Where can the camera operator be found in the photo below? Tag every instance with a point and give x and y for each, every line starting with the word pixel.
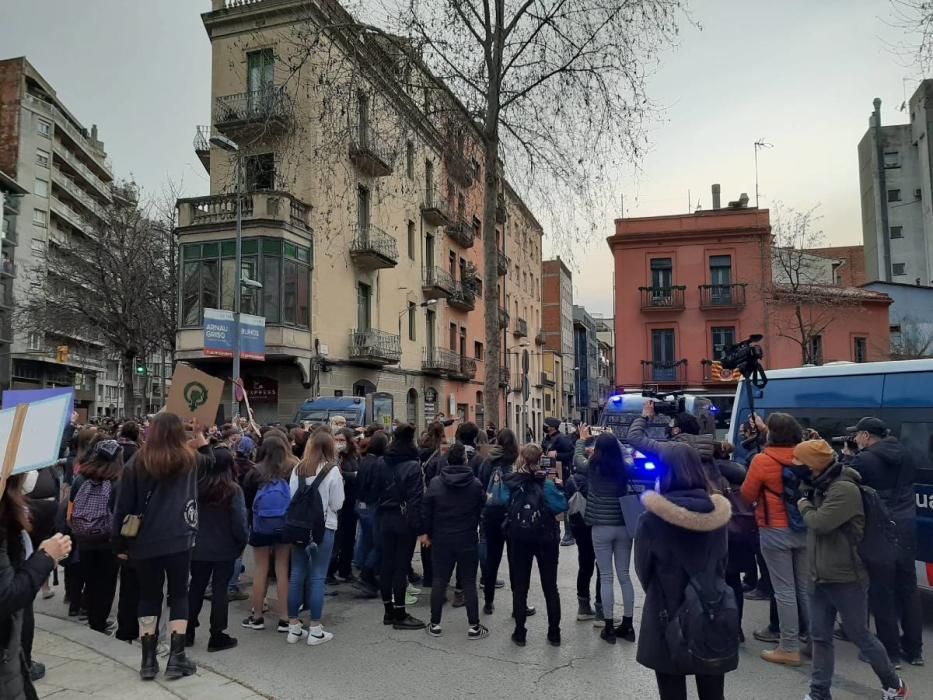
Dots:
pixel 888 467
pixel 684 428
pixel 557 446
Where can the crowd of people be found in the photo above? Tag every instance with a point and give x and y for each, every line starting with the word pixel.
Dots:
pixel 140 510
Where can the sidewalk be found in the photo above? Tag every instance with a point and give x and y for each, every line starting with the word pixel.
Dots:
pixel 85 664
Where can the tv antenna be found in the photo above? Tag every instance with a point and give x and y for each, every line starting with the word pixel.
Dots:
pixel 759 144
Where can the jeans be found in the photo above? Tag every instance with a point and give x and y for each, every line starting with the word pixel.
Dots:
pixel 849 600
pixel 398 545
pixel 344 541
pixel 100 579
pixel 306 581
pixel 234 583
pixel 466 559
pixel 671 687
pixel 364 557
pixel 894 601
pixel 495 546
pixel 152 575
pixel 786 554
pixel 613 543
pixel 586 562
pixel 218 573
pixel 521 556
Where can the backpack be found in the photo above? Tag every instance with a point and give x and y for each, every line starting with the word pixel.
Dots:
pixel 494 487
pixel 879 540
pixel 527 515
pixel 703 634
pixel 743 528
pixel 91 518
pixel 305 520
pixel 269 507
pixel 790 494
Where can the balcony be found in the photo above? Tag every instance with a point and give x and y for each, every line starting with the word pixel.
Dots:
pixel 369 154
pixel 202 146
pixel 539 338
pixel 662 298
pixel 70 216
pixel 435 209
pixel 436 283
pixel 439 361
pixel 521 328
pixel 466 369
pixel 257 207
pixel 458 167
pixel 67 183
pixel 8 232
pixel 6 296
pixel 664 373
pixel 91 148
pixel 71 162
pixel 713 373
pixel 503 318
pixel 266 110
pixel 373 248
pixel 461 233
pixel 502 264
pixel 374 347
pixel 547 379
pixel 463 297
pixel 722 296
pixel 515 385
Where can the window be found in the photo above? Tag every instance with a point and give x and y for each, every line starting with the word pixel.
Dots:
pixel 362 207
pixel 362 114
pixel 412 319
pixel 363 306
pixel 453 336
pixel 896 231
pixel 410 160
pixel 260 71
pixel 41 187
pixel 894 195
pixel 723 337
pixel 35 341
pixel 44 128
pixel 477 228
pixel 662 273
pixel 412 244
pixel 662 354
pixel 860 350
pixel 892 159
pixel 898 269
pixel 40 217
pixel 452 263
pixel 478 350
pixel 37 246
pixel 815 350
pixel 260 172
pixel 42 158
pixel 720 274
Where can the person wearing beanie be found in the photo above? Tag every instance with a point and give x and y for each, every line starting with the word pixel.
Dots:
pixel 835 519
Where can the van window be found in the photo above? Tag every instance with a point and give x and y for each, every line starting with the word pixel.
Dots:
pixel 918 437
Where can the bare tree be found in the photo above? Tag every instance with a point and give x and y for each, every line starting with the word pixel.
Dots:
pixel 801 297
pixel 116 286
pixel 912 340
pixel 913 19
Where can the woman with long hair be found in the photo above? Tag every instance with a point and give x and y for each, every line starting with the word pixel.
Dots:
pixel 500 464
pixel 349 460
pixel 20 579
pixel 222 535
pixel 90 513
pixel 682 534
pixel 159 490
pixel 310 562
pixel 267 479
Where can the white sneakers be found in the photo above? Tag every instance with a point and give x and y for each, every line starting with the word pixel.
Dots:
pixel 295 633
pixel 315 635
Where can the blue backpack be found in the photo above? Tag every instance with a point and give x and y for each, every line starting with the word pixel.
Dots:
pixel 270 507
pixel 790 494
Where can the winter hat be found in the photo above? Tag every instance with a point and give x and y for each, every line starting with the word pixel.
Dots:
pixel 816 454
pixel 245 446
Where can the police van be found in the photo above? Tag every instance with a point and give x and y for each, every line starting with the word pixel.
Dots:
pixel 832 397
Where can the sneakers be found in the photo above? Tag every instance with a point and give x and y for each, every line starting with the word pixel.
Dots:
pixel 584 610
pixel 435 630
pixel 914 660
pixel 477 632
pixel 459 599
pixel 894 693
pixel 412 590
pixel 568 541
pixel 895 662
pixel 220 642
pixel 766 635
pixel 318 635
pixel 295 633
pixel 282 626
pixel 756 594
pixel 410 598
pixel 254 623
pixel 782 656
pixel 500 583
pixel 489 609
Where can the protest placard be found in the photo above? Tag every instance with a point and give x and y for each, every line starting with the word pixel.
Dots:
pixel 194 394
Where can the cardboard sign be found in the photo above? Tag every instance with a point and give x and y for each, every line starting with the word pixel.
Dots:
pixel 24 431
pixel 14 397
pixel 194 394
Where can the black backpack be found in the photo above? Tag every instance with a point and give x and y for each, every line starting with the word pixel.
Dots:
pixel 528 516
pixel 879 540
pixel 703 633
pixel 305 519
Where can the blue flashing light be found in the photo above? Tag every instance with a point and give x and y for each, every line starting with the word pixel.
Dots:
pixel 649 466
pixel 714 409
pixel 616 399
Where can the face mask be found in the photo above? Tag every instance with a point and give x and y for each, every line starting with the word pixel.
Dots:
pixel 341 447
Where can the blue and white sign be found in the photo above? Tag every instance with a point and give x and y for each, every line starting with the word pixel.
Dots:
pixel 219 334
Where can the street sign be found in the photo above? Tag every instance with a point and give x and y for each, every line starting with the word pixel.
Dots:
pixel 219 334
pixel 525 363
pixel 526 392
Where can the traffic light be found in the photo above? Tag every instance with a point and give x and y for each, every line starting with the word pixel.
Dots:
pixel 141 369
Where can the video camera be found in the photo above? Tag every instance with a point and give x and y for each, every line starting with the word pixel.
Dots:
pixel 744 356
pixel 668 403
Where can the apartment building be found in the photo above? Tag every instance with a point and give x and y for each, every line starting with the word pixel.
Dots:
pixel 11 195
pixel 364 231
pixel 64 168
pixel 557 323
pixel 586 365
pixel 688 286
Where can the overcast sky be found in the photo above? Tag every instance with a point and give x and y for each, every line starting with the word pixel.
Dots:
pixel 801 74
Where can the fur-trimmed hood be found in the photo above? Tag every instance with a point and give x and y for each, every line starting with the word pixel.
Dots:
pixel 671 511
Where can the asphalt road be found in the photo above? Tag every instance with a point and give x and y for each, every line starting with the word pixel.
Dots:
pixel 367 660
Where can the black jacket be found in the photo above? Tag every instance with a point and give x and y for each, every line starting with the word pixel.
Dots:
pixel 222 530
pixel 890 468
pixel 563 445
pixel 603 492
pixel 452 506
pixel 366 478
pixel 170 521
pixel 20 580
pixel 680 530
pixel 399 484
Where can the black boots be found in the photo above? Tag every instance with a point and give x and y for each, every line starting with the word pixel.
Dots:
pixel 553 636
pixel 608 633
pixel 404 621
pixel 584 611
pixel 519 636
pixel 626 630
pixel 178 664
pixel 389 617
pixel 149 668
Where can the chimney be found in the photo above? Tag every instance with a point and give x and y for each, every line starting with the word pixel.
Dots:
pixel 876 115
pixel 93 132
pixel 716 196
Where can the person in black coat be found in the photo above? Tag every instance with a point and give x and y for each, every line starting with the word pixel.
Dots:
pixel 20 579
pixel 683 530
pixel 450 517
pixel 492 521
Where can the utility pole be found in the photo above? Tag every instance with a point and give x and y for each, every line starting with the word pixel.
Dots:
pixel 759 144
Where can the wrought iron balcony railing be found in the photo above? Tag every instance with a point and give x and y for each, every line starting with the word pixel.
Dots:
pixel 722 296
pixel 373 249
pixel 663 372
pixel 437 283
pixel 370 154
pixel 371 346
pixel 662 298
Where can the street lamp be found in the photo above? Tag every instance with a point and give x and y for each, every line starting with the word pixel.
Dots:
pixel 223 143
pixel 423 305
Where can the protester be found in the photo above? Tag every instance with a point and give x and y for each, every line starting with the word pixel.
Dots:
pixel 160 489
pixel 348 459
pixel 577 486
pixel 450 516
pixel 835 518
pixel 222 535
pixel 681 536
pixel 366 556
pixel 432 452
pixel 533 502
pixel 558 447
pixel 129 439
pixel 684 428
pixel 887 466
pixel 492 521
pixel 318 468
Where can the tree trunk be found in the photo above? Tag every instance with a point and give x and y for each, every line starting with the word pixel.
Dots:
pixel 491 282
pixel 129 402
